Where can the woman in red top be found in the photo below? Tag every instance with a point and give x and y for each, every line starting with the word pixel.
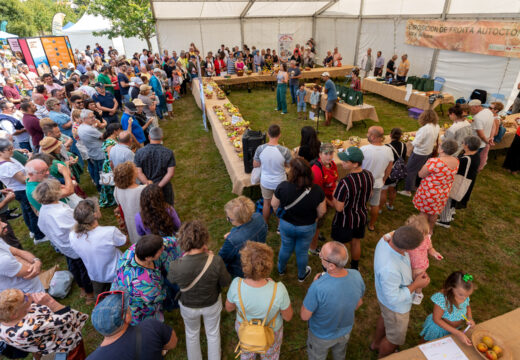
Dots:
pixel 325 174
pixel 219 64
pixel 356 83
pixel 113 78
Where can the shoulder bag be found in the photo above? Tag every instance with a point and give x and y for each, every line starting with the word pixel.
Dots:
pixel 280 212
pixel 196 280
pixel 461 184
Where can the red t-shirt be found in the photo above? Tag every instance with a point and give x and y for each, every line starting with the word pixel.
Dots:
pixel 12 93
pixel 327 179
pixel 169 97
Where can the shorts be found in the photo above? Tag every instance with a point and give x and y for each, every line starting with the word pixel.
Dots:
pixel 266 193
pixel 345 235
pixel 169 107
pixel 386 186
pixel 396 325
pixel 302 107
pixel 330 105
pixel 375 197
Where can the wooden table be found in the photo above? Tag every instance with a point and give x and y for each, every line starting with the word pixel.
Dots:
pixel 313 73
pixel 418 99
pixel 506 327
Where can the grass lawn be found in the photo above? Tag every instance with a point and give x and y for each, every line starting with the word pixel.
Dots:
pixel 482 241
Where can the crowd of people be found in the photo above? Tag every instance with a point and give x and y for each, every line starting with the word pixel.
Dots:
pixel 105 111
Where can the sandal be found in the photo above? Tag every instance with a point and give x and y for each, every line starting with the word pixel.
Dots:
pixel 371 229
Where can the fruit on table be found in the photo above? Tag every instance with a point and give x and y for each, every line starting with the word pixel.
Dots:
pixel 491 355
pixel 498 350
pixel 488 341
pixel 411 138
pixel 482 347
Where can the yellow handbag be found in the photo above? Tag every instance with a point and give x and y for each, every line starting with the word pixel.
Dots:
pixel 255 335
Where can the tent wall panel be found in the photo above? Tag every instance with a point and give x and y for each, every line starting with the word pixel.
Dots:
pixel 485 7
pixel 336 32
pixel 420 57
pixel 217 32
pixel 379 36
pixel 263 33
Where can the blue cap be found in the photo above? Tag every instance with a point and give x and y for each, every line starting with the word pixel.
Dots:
pixel 109 315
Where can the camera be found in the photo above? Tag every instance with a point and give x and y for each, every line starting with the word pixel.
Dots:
pixel 433 97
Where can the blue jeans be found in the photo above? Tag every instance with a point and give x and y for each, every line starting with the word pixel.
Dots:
pixel 297 239
pixel 125 98
pixel 281 101
pixel 29 217
pixel 94 168
pixel 294 88
pixel 302 107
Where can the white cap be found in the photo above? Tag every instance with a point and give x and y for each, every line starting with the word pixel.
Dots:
pixel 54 67
pixel 475 102
pixel 70 66
pixel 325 74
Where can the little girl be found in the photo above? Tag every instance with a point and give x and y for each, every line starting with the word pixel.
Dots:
pixel 169 99
pixel 419 256
pixel 76 122
pixel 451 309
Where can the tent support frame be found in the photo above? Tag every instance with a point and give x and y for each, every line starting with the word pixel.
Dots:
pixel 318 13
pixel 435 57
pixel 242 16
pixel 358 36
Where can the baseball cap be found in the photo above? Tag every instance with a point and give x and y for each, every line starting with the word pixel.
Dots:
pixel 109 314
pixel 99 85
pixel 326 148
pixel 353 154
pixel 326 73
pixel 130 106
pixel 137 80
pixel 145 87
pixel 475 102
pixel 70 66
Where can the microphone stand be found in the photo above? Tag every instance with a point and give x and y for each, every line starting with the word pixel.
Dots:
pixel 318 115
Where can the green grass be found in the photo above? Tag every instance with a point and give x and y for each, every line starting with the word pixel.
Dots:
pixel 482 241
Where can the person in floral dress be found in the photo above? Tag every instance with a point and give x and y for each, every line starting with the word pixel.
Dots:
pixel 437 176
pixel 142 270
pixel 106 195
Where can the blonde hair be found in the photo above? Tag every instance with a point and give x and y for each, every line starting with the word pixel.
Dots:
pixel 76 115
pixel 257 260
pixel 10 301
pixel 420 222
pixel 240 208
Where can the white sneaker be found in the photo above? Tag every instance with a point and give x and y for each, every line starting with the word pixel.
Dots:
pixel 417 298
pixel 308 271
pixel 405 193
pixel 31 235
pixel 42 240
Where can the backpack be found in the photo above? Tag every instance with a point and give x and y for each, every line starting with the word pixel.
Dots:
pixel 399 171
pixel 318 164
pixel 255 335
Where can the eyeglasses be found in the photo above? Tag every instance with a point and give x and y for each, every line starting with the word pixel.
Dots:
pixel 327 260
pixel 114 292
pixel 229 219
pixel 491 108
pixel 25 298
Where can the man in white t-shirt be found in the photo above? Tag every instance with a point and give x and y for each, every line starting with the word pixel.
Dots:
pixel 272 158
pixel 378 159
pixel 483 124
pixel 18 274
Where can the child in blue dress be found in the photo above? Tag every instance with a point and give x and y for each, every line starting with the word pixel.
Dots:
pixel 302 106
pixel 451 309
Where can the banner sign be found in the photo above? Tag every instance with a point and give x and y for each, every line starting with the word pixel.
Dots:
pixel 57 24
pixel 27 55
pixel 285 44
pixel 39 57
pixel 496 38
pixel 57 51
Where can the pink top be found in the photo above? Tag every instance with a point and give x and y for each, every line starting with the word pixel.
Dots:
pixel 239 65
pixel 419 255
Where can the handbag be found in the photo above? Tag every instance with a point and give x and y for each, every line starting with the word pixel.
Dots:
pixel 280 212
pixel 255 175
pixel 196 280
pixel 461 184
pixel 106 179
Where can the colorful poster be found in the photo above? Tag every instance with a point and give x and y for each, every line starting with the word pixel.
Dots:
pixel 16 49
pixel 69 49
pixel 57 51
pixel 39 57
pixel 285 42
pixel 496 38
pixel 27 55
pixel 57 24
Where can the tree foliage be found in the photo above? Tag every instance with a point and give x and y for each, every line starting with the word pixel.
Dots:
pixel 130 18
pixel 18 18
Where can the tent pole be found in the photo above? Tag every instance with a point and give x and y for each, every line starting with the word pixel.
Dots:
pixel 318 13
pixel 242 16
pixel 435 57
pixel 358 38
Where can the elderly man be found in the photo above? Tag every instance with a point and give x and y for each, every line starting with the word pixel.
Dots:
pixel 331 303
pixel 403 68
pixel 60 95
pixel 367 64
pixel 483 127
pixel 19 269
pixel 91 138
pixel 49 83
pixel 31 123
pixel 120 152
pixel 13 126
pixel 106 102
pixel 378 159
pixel 29 79
pixel 39 102
pixel 157 88
pixel 395 288
pixel 294 79
pixel 156 164
pixel 380 64
pixel 37 171
pixel 11 93
pixel 57 76
pixel 390 67
pixel 332 96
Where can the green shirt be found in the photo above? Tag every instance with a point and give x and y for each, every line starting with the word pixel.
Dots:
pixel 102 78
pixel 30 186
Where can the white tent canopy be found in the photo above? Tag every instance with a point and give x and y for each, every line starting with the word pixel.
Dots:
pixel 351 25
pixel 5 35
pixel 81 34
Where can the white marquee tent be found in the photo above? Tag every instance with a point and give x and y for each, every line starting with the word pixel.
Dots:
pixel 81 34
pixel 351 25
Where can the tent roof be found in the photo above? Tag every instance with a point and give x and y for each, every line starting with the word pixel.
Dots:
pixel 5 35
pixel 87 24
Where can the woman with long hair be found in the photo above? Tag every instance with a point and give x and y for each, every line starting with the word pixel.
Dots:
pixel 309 144
pixel 112 74
pixel 156 215
pixel 106 195
pixel 282 79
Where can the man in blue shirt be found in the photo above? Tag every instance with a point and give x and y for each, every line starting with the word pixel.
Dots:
pixel 124 83
pixel 332 96
pixel 127 121
pixel 330 304
pixel 395 287
pixel 106 102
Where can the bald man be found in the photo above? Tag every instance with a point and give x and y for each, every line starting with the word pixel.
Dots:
pixel 121 152
pixel 41 109
pixel 378 159
pixel 330 304
pixel 37 170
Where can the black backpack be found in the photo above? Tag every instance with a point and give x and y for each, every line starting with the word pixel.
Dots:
pixel 479 95
pixel 399 171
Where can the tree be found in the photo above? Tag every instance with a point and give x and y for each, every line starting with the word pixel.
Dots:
pixel 130 18
pixel 18 18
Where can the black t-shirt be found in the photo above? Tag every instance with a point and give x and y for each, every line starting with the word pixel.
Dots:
pixel 154 160
pixel 390 65
pixel 154 336
pixel 168 70
pixel 473 167
pixel 304 212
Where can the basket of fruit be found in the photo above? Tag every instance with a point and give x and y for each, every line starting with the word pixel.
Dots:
pixel 354 140
pixel 307 68
pixel 489 346
pixel 337 143
pixel 249 72
pixel 240 72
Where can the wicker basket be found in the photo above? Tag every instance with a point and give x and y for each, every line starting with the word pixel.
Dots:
pixel 477 336
pixel 240 72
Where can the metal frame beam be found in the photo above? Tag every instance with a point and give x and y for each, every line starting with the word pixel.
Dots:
pixel 435 57
pixel 235 18
pixel 242 15
pixel 156 28
pixel 358 37
pixel 244 1
pixel 318 13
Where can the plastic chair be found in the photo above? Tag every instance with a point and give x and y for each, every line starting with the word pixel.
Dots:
pixel 438 83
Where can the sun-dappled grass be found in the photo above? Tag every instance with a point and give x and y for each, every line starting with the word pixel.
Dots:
pixel 482 241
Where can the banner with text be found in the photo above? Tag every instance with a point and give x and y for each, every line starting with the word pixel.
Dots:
pixel 496 38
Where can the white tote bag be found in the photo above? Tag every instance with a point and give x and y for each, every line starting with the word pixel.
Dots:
pixel 255 175
pixel 461 184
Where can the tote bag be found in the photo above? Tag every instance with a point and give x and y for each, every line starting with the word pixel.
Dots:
pixel 461 184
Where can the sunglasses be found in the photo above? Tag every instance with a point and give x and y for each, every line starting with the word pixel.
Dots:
pixel 114 292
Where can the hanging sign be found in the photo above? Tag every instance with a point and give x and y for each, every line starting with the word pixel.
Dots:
pixel 285 42
pixel 496 38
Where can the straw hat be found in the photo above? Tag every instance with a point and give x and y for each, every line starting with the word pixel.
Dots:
pixel 49 144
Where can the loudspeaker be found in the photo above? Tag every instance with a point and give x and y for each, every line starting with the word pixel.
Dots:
pixel 250 141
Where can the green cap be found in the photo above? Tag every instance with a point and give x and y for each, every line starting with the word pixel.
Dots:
pixel 353 154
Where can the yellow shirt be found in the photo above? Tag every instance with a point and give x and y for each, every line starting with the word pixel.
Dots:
pixel 404 66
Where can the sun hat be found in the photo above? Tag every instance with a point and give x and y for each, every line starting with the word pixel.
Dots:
pixel 139 102
pixel 145 87
pixel 49 144
pixel 475 102
pixel 353 154
pixel 109 314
